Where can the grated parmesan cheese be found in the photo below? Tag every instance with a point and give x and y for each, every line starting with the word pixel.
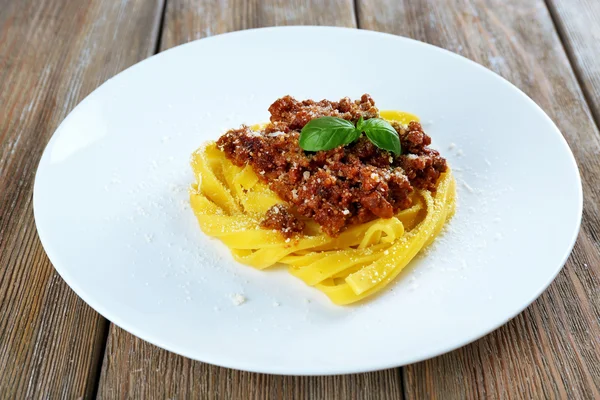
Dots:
pixel 468 187
pixel 238 299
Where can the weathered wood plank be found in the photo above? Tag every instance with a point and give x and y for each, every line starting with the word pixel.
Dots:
pixel 188 20
pixel 52 54
pixel 136 369
pixel 552 349
pixel 578 23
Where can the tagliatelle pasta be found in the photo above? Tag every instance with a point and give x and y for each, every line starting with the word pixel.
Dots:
pixel 343 194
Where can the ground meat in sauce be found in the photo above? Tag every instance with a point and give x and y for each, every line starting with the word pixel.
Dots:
pixel 280 218
pixel 339 187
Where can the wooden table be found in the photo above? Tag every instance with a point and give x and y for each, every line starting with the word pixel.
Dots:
pixel 55 52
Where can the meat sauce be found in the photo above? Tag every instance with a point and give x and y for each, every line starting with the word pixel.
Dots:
pixel 337 188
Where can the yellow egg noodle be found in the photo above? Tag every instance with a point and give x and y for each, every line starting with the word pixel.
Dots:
pixel 230 201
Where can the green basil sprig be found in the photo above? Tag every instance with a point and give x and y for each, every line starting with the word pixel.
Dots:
pixel 326 133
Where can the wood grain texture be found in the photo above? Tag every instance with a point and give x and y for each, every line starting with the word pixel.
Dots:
pixel 188 20
pixel 552 350
pixel 136 369
pixel 52 54
pixel 578 23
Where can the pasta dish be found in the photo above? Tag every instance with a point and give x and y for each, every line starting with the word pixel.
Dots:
pixel 341 193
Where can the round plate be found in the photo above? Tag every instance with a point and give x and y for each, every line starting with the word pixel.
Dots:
pixel 111 203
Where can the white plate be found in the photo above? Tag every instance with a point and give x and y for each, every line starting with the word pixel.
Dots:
pixel 111 203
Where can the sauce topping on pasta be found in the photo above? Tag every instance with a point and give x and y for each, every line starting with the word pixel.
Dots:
pixel 337 188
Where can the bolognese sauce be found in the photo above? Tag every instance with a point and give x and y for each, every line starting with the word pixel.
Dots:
pixel 340 187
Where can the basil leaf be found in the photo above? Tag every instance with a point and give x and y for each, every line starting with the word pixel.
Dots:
pixel 326 133
pixel 382 134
